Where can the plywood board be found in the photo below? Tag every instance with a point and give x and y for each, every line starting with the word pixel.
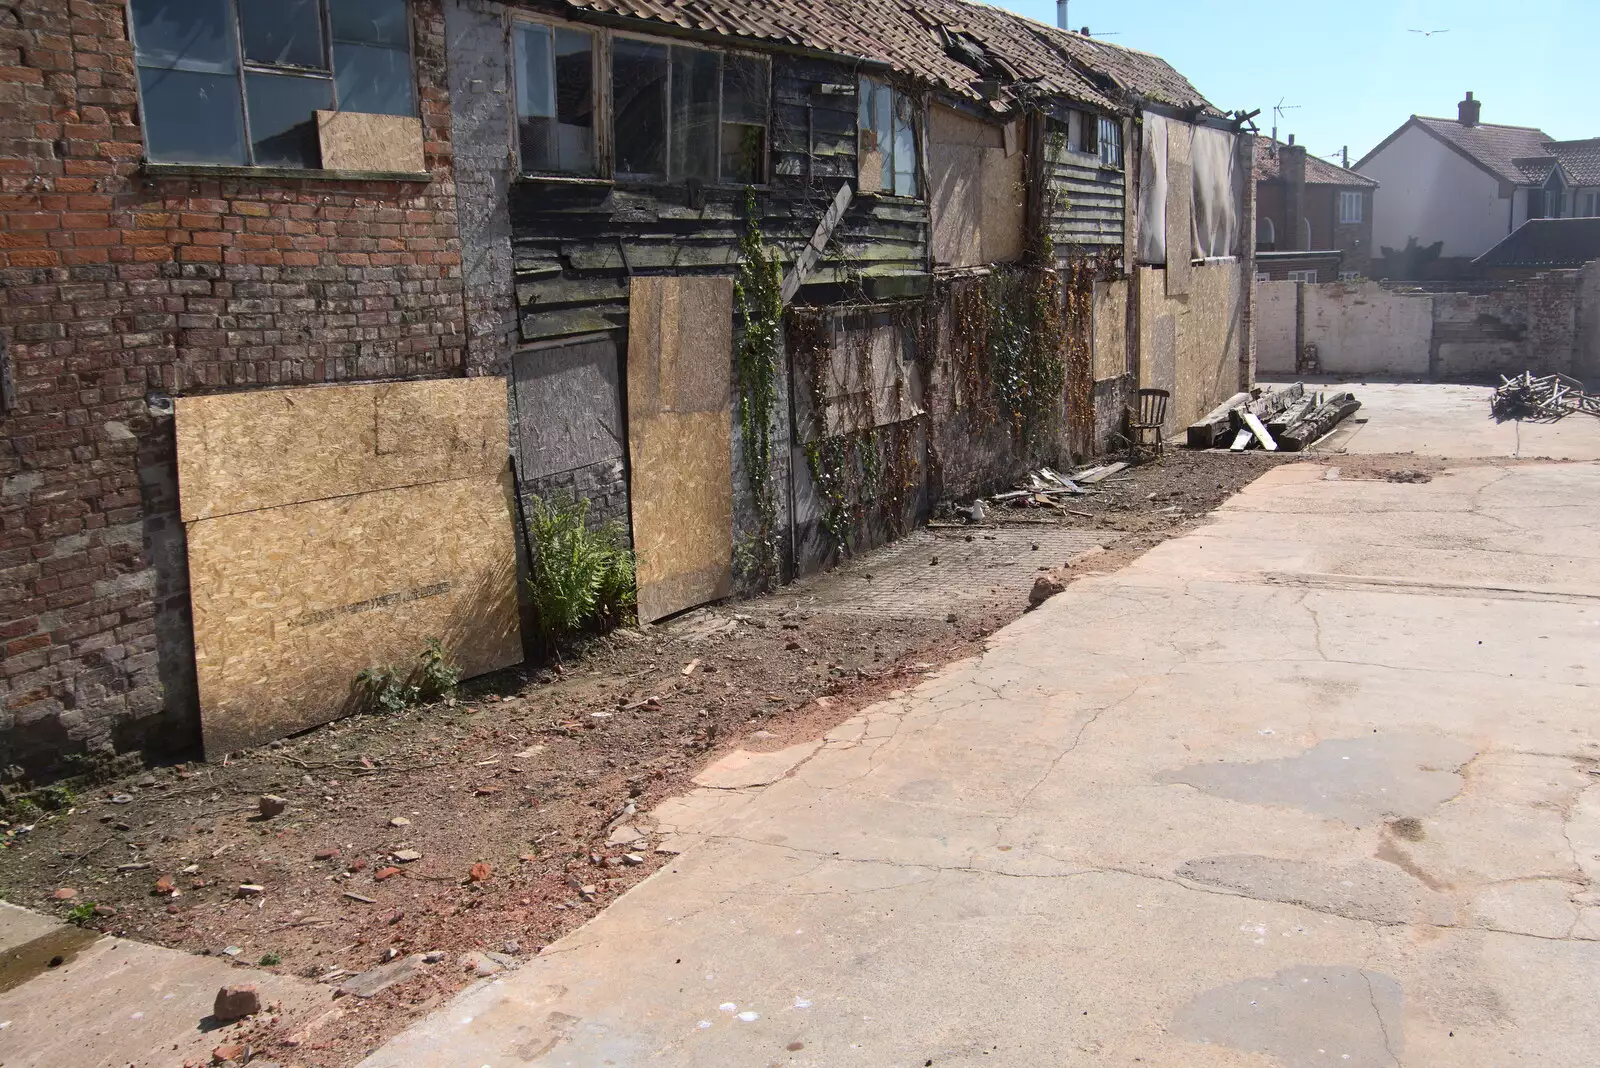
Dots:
pixel 291 603
pixel 1110 329
pixel 680 427
pixel 569 407
pixel 355 141
pixel 238 452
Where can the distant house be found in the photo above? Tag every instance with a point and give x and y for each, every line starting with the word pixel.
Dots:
pixel 1463 185
pixel 1540 245
pixel 1307 209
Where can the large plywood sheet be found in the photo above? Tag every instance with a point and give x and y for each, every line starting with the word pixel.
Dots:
pixel 291 603
pixel 1110 329
pixel 680 359
pixel 238 452
pixel 976 200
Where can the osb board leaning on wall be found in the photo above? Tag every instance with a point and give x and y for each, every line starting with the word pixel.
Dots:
pixel 680 430
pixel 335 528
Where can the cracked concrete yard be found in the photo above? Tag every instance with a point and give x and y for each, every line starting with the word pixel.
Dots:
pixel 1315 784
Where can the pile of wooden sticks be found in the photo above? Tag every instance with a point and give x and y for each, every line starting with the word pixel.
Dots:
pixel 1540 400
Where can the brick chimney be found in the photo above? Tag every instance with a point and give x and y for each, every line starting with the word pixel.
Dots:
pixel 1292 165
pixel 1469 110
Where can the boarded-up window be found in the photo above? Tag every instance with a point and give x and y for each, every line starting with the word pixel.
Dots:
pixel 975 190
pixel 1153 192
pixel 1215 179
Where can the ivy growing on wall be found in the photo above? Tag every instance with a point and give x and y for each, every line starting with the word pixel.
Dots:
pixel 864 471
pixel 757 295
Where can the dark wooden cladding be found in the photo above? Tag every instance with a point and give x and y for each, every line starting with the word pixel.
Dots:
pixel 1088 202
pixel 575 244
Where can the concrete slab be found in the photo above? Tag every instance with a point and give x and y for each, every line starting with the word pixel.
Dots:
pixel 110 1003
pixel 1312 785
pixel 1441 419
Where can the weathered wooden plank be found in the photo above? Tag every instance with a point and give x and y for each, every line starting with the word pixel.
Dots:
pixel 819 242
pixel 566 322
pixel 1205 432
pixel 571 291
pixel 1308 430
pixel 1259 429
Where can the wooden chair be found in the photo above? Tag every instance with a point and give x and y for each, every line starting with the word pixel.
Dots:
pixel 1144 424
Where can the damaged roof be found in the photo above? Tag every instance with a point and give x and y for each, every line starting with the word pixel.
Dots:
pixel 1268 167
pixel 1136 73
pixel 1548 243
pixel 954 45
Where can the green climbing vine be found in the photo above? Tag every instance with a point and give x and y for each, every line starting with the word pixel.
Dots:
pixel 867 471
pixel 757 294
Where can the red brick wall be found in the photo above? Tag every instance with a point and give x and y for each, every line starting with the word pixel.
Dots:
pixel 115 285
pixel 1327 232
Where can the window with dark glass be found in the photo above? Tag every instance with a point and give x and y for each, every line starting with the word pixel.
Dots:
pixel 688 113
pixel 886 124
pixel 555 99
pixel 239 82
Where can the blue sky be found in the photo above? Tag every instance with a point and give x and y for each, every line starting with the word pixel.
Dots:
pixel 1355 71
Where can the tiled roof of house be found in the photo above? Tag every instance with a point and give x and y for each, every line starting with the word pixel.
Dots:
pixel 1011 39
pixel 1493 147
pixel 1580 159
pixel 1318 171
pixel 1140 73
pixel 1551 243
pixel 949 44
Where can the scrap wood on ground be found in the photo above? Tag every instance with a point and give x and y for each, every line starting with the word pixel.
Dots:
pixel 1540 400
pixel 1289 420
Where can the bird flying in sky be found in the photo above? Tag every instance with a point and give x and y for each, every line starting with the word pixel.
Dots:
pixel 1427 33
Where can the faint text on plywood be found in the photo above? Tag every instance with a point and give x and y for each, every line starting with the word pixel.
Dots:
pixel 294 597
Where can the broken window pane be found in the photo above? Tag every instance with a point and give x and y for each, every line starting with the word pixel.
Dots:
pixel 282 33
pixel 639 103
pixel 694 114
pixel 555 123
pixel 883 126
pixel 373 79
pixel 283 124
pixel 372 56
pixel 184 34
pixel 191 117
pixel 905 147
pixel 744 118
pixel 375 22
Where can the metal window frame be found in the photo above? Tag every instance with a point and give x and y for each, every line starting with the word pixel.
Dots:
pixel 599 97
pixel 241 68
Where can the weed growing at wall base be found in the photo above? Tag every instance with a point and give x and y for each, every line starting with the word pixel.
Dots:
pixel 581 579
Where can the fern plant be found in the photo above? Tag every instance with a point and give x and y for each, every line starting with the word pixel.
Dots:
pixel 581 578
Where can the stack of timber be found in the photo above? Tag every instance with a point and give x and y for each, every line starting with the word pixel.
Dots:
pixel 1288 419
pixel 1541 400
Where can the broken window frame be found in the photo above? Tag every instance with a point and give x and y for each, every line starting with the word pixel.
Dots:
pixel 671 173
pixel 243 67
pixel 597 70
pixel 899 101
